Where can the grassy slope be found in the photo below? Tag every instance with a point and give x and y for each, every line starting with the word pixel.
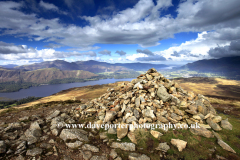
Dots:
pixel 198 147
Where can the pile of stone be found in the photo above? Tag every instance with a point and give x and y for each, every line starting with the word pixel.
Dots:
pixel 151 98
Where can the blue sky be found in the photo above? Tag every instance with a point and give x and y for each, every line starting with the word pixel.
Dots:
pixel 152 31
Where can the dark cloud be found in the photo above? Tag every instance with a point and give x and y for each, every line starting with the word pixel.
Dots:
pixel 227 51
pixel 176 54
pixel 53 45
pixel 145 51
pixel 9 48
pixel 182 52
pixel 105 52
pixel 121 53
pixel 90 53
pixel 152 58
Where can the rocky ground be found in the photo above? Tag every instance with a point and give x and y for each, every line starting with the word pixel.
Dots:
pixel 149 99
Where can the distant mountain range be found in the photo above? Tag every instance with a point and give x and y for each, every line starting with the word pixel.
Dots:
pixel 91 66
pixel 9 66
pixel 224 65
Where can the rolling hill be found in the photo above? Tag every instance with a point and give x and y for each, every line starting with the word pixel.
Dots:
pixel 91 66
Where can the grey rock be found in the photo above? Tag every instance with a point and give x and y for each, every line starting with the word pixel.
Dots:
pixel 99 158
pixel 124 146
pixel 163 147
pixel 34 152
pixel 110 115
pixel 113 154
pixel 225 146
pixel 74 145
pixel 226 125
pixel 3 147
pixel 131 119
pixel 148 113
pixel 136 113
pixel 45 145
pixel 90 148
pixel 163 94
pixel 136 156
pixel 214 125
pixel 122 131
pixel 86 154
pixel 103 135
pixel 21 147
pixel 202 132
pixel 137 102
pixel 112 131
pixel 138 85
pixel 25 118
pixel 33 133
pixel 53 115
pixel 73 134
pixel 20 157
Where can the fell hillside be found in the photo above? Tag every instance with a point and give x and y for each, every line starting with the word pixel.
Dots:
pixel 67 106
pixel 91 66
pixel 42 75
pixel 221 65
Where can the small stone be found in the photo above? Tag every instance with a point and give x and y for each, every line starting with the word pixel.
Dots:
pixel 202 132
pixel 74 145
pixel 225 146
pixel 214 125
pixel 226 125
pixel 163 94
pixel 156 134
pixel 135 156
pixel 217 119
pixel 110 115
pixel 99 158
pixel 2 147
pixel 72 134
pixel 112 131
pixel 124 146
pixel 90 148
pixel 53 115
pixel 103 135
pixel 163 147
pixel 132 137
pixel 122 130
pixel 148 113
pixel 180 144
pixel 86 154
pixel 113 154
pixel 217 135
pixel 34 152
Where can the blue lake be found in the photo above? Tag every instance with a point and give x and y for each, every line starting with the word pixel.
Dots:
pixel 47 90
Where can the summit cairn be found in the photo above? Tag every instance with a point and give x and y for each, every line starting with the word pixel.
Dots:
pixel 153 99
